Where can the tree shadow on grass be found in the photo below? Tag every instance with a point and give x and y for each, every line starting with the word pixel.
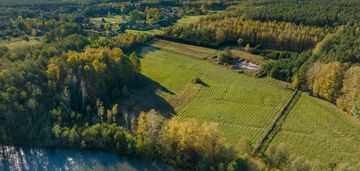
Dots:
pixel 142 51
pixel 148 97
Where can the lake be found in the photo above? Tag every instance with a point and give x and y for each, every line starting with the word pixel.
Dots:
pixel 30 158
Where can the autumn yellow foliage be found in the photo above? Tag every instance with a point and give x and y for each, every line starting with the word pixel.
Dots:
pixel 328 81
pixel 351 89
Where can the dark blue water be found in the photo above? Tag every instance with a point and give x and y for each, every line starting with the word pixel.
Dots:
pixel 26 158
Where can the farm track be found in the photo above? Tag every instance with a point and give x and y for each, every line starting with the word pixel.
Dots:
pixel 275 127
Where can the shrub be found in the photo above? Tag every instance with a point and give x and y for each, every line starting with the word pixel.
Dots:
pixel 197 80
pixel 225 57
pixel 26 38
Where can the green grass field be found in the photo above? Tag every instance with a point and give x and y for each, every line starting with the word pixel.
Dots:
pixel 186 20
pixel 116 18
pixel 20 44
pixel 151 32
pixel 243 106
pixel 318 130
pixel 188 50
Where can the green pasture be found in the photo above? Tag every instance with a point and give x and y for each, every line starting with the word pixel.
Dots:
pixel 242 105
pixel 317 130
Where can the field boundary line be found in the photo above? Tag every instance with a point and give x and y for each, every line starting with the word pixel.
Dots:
pixel 275 126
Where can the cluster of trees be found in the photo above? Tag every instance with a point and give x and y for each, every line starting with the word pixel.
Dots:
pixel 19 20
pixel 63 30
pixel 188 145
pixel 272 54
pixel 125 41
pixel 342 46
pixel 350 92
pixel 151 15
pixel 220 28
pixel 325 80
pixel 149 11
pixel 285 68
pixel 43 85
pixel 225 57
pixel 337 83
pixel 24 96
pixel 103 9
pixel 67 35
pixel 309 12
pixel 18 26
pixel 26 2
pixel 329 71
pixel 80 79
pixel 74 42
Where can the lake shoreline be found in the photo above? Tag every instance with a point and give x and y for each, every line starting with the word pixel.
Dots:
pixel 36 157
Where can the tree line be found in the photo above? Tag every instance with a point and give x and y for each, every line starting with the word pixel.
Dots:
pixel 125 41
pixel 22 20
pixel 308 12
pixel 328 71
pixel 220 28
pixel 188 145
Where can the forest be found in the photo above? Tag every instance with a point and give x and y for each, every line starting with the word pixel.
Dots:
pixel 327 70
pixel 270 35
pixel 311 12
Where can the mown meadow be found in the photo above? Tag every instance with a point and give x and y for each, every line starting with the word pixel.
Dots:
pixel 187 20
pixel 243 106
pixel 316 129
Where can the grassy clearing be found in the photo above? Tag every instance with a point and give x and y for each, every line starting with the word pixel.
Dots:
pixel 248 56
pixel 188 20
pixel 151 32
pixel 20 44
pixel 243 106
pixel 188 50
pixel 318 130
pixel 116 18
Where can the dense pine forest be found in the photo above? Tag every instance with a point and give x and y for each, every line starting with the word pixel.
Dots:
pixel 313 12
pixel 131 78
